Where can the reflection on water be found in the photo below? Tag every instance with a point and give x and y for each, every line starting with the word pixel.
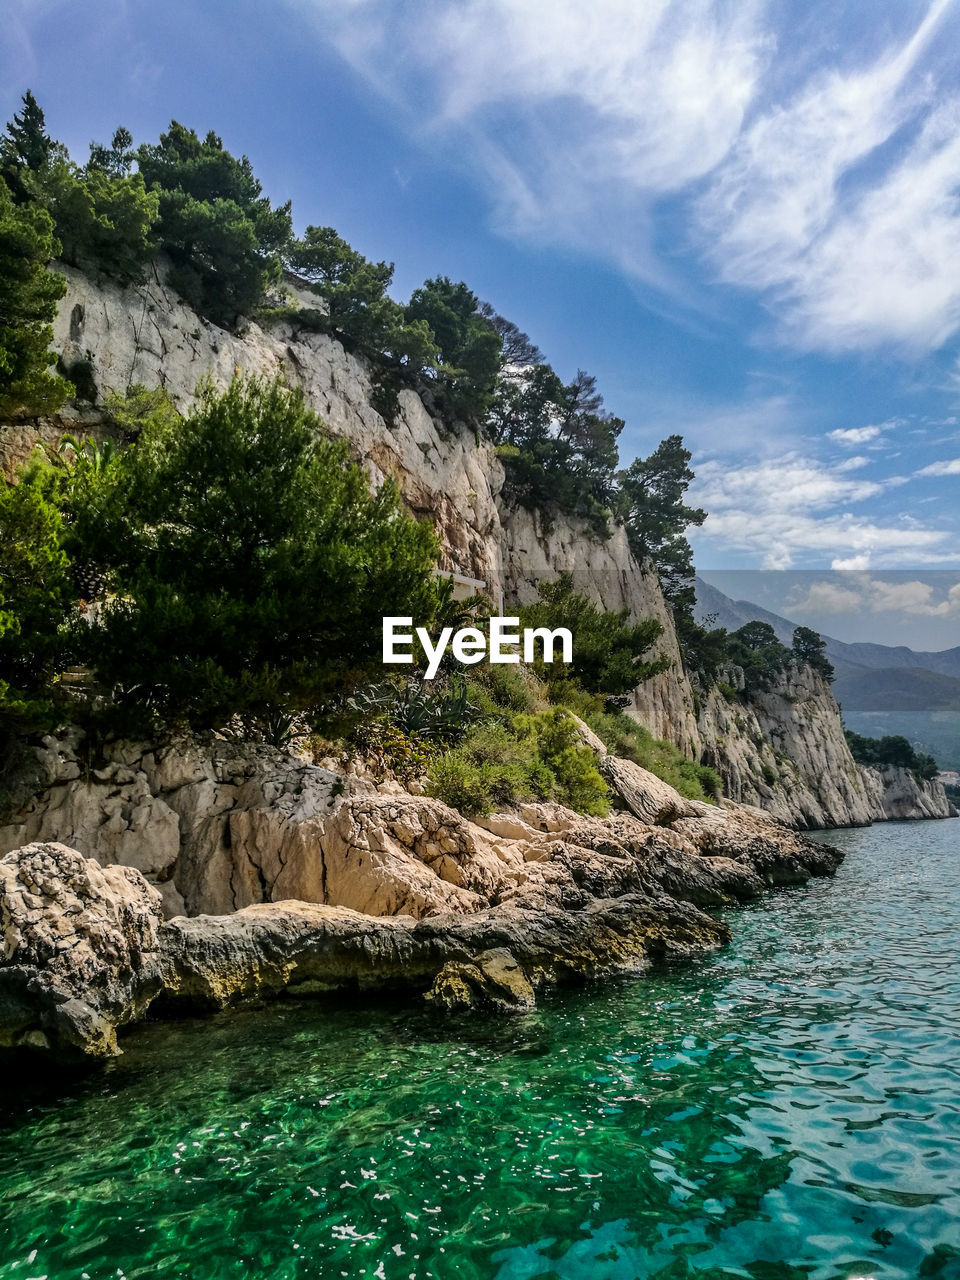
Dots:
pixel 788 1109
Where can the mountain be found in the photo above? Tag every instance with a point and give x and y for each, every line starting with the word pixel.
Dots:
pixel 881 688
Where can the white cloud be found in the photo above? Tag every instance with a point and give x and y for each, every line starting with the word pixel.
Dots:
pixel 853 464
pixel 860 435
pixel 948 467
pixel 825 184
pixel 863 593
pixel 795 506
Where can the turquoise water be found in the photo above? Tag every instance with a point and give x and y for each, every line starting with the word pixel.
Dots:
pixel 790 1108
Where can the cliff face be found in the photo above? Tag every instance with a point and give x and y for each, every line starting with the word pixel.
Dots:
pixel 146 334
pixel 897 795
pixel 785 752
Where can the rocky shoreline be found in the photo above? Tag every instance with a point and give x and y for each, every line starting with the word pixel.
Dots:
pixel 329 883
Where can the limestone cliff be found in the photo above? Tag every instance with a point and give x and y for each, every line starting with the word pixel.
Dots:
pixel 784 752
pixel 148 335
pixel 783 749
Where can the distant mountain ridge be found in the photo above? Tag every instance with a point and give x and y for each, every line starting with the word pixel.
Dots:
pixel 881 688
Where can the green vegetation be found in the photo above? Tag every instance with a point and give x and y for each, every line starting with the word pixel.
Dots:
pixel 607 649
pixel 892 750
pixel 28 303
pixel 624 737
pixel 242 564
pixel 532 757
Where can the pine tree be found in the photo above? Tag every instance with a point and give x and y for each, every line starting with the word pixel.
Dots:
pixel 28 302
pixel 25 148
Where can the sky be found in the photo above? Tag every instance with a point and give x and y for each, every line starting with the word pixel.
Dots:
pixel 743 217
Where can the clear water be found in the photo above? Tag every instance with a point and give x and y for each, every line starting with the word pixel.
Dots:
pixel 790 1108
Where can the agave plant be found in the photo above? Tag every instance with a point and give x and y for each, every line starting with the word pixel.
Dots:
pixel 416 709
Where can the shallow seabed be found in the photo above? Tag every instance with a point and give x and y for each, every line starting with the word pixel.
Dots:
pixel 790 1108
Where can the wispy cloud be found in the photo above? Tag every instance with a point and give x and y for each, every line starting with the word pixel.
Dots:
pixel 791 507
pixel 827 185
pixel 948 467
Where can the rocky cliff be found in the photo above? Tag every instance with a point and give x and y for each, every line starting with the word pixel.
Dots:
pixel 785 752
pixel 783 749
pixel 317 882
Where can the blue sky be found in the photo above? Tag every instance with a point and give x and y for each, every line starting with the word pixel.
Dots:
pixel 743 217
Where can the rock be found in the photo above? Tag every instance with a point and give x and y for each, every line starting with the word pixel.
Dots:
pixel 644 794
pixel 210 962
pixel 897 795
pixel 80 952
pixel 493 982
pixel 587 736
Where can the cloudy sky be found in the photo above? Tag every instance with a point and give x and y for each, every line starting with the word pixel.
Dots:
pixel 742 216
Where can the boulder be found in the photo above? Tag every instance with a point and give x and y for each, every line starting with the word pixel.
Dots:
pixel 80 951
pixel 494 982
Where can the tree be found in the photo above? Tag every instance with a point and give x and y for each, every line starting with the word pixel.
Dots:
pixel 28 303
pixel 224 239
pixel 468 346
pixel 116 160
pixel 591 434
pixel 35 598
pixel 608 649
pixel 516 349
pixel 756 649
pixel 26 148
pixel 809 650
pixel 254 565
pixel 359 309
pixel 525 407
pixel 656 517
pixel 104 221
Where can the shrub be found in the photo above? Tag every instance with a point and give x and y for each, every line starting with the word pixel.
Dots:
pixel 608 649
pixel 534 757
pixel 253 564
pixel 624 737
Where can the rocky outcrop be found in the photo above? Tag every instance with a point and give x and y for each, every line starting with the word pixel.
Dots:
pixel 217 826
pixel 479 914
pixel 898 795
pixel 80 951
pixel 494 981
pixel 783 749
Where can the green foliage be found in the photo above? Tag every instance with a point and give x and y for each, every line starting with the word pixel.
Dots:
pixel 533 757
pixel 226 242
pixel 656 516
pixel 705 649
pixel 467 345
pixel 359 309
pixel 624 737
pixel 255 566
pixel 35 599
pixel 893 750
pixel 607 648
pixel 28 303
pixel 25 149
pixel 756 649
pixel 416 708
pixel 809 650
pixel 558 446
pixel 104 221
